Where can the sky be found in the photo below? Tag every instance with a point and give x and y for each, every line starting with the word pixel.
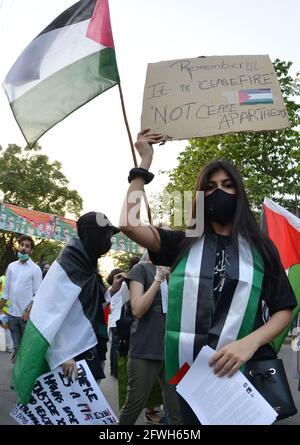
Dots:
pixel 92 143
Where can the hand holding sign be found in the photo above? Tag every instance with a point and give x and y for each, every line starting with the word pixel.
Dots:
pixel 69 369
pixel 144 142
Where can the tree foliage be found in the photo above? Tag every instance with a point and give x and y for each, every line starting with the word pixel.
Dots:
pixel 122 259
pixel 268 161
pixel 46 251
pixel 28 179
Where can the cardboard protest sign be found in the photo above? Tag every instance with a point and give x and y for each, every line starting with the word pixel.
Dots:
pixel 207 96
pixel 57 401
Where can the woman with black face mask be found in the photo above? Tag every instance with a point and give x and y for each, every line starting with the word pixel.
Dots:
pixel 219 280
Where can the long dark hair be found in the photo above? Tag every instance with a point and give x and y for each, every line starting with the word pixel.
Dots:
pixel 244 222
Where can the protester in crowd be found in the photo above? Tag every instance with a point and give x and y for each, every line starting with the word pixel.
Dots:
pixel 152 413
pixel 42 263
pixel 96 241
pixel 220 280
pixel 4 320
pixel 146 347
pixel 120 318
pixel 126 318
pixel 45 269
pixel 68 309
pixel 116 303
pixel 22 280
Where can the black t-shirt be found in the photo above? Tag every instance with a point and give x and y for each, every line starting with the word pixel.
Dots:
pixel 171 246
pixel 220 268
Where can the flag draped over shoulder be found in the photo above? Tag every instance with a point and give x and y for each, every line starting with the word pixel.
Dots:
pixel 68 64
pixel 283 228
pixel 189 323
pixel 66 318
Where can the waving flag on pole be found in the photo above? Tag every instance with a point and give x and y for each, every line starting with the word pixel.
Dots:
pixel 283 228
pixel 68 64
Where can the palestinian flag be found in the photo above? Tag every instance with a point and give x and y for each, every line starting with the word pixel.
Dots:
pixel 189 324
pixel 283 228
pixel 256 96
pixel 66 318
pixel 68 64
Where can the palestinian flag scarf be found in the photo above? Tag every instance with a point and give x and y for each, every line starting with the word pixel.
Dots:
pixel 66 318
pixel 192 321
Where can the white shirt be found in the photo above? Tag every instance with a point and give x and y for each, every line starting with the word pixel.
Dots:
pixel 116 303
pixel 22 281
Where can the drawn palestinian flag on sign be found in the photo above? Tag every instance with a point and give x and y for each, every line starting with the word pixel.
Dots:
pixel 256 96
pixel 283 228
pixel 68 64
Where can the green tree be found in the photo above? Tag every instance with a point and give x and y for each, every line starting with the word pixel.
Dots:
pixel 122 259
pixel 46 251
pixel 28 179
pixel 268 161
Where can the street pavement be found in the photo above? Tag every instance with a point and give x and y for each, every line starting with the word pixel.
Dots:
pixel 286 354
pixel 110 389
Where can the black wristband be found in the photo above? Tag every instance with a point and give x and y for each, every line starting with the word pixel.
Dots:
pixel 142 173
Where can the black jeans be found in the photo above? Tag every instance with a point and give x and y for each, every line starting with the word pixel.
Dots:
pixel 17 327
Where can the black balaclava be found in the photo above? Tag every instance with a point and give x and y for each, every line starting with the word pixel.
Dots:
pixel 95 238
pixel 220 206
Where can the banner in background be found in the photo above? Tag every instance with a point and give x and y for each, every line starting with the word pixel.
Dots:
pixel 33 223
pixel 44 225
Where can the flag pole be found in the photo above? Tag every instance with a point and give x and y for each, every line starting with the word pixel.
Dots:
pixel 127 126
pixel 132 150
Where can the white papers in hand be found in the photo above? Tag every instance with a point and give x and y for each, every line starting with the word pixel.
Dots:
pixel 222 400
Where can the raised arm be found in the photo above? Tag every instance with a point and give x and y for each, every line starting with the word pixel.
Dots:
pixel 130 222
pixel 141 300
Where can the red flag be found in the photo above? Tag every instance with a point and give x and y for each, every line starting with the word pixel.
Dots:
pixel 106 313
pixel 283 228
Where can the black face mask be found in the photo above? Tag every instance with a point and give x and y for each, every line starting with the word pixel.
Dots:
pixel 97 242
pixel 220 206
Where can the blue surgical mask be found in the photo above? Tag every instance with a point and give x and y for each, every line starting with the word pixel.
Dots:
pixel 23 256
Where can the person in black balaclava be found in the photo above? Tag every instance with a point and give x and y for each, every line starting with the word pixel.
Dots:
pixel 95 232
pixel 71 301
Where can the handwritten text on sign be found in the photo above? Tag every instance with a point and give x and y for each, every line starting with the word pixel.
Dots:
pixel 57 401
pixel 213 95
